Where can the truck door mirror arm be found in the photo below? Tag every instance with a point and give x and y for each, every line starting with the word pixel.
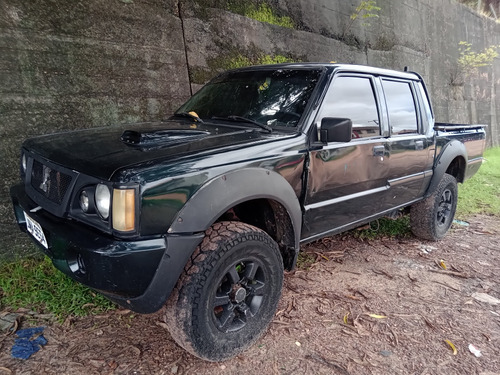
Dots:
pixel 335 129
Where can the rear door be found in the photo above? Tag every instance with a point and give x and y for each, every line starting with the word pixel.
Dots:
pixel 348 181
pixel 411 151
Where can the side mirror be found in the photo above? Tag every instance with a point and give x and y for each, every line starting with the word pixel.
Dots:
pixel 334 129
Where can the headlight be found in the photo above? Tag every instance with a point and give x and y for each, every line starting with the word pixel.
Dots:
pixel 124 210
pixel 103 200
pixel 84 201
pixel 24 163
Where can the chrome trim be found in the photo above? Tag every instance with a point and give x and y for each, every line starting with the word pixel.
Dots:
pixel 402 180
pixel 345 198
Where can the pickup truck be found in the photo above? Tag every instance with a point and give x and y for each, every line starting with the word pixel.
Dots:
pixel 203 212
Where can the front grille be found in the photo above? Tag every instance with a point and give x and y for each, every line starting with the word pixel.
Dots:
pixel 50 183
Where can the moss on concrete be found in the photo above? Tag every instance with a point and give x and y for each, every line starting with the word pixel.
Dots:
pixel 234 58
pixel 384 44
pixel 264 13
pixel 259 10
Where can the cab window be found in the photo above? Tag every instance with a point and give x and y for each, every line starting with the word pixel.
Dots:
pixel 353 98
pixel 400 107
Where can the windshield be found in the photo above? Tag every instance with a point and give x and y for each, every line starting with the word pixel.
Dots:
pixel 275 97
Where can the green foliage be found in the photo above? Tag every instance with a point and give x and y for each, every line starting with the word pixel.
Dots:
pixel 263 13
pixel 385 227
pixel 241 61
pixel 305 260
pixel 470 61
pixel 37 285
pixel 365 10
pixel 235 58
pixel 277 59
pixel 481 194
pixel 238 61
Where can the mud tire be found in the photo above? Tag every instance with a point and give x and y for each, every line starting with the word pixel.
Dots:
pixel 228 292
pixel 431 218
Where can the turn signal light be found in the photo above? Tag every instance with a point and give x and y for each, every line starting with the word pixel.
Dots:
pixel 124 210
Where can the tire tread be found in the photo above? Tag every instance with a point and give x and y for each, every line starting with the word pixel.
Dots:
pixel 422 215
pixel 181 317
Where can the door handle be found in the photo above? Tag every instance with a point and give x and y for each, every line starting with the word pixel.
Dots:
pixel 379 151
pixel 419 145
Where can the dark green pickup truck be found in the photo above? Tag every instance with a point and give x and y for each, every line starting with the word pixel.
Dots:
pixel 205 210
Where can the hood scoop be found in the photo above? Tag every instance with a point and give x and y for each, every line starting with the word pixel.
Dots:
pixel 161 137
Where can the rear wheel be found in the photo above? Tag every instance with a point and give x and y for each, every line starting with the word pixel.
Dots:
pixel 431 218
pixel 228 292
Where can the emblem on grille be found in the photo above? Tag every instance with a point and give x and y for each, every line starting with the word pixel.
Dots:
pixel 45 185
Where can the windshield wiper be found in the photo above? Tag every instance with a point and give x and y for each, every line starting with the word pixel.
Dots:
pixel 189 115
pixel 244 119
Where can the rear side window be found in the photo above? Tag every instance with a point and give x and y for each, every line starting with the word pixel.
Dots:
pixel 401 107
pixel 353 98
pixel 427 116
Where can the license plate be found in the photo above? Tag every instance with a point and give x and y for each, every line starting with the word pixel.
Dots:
pixel 36 230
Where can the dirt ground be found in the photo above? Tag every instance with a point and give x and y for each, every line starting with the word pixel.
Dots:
pixel 323 324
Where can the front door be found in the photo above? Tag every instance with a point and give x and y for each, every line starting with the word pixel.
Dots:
pixel 347 181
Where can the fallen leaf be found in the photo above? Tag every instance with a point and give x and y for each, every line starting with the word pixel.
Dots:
pixel 376 316
pixel 112 365
pixel 442 264
pixel 451 346
pixel 354 298
pixel 483 297
pixel 429 323
pixel 161 324
pixel 346 317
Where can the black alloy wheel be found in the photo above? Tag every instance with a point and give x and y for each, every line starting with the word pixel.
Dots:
pixel 239 295
pixel 431 218
pixel 445 208
pixel 228 293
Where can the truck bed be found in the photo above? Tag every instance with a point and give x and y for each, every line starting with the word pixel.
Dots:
pixel 447 127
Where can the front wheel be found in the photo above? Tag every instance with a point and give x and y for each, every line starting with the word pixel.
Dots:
pixel 228 292
pixel 431 218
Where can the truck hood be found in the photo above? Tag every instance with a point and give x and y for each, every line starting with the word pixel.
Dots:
pixel 100 152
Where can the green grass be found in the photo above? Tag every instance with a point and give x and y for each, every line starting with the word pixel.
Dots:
pixel 384 227
pixel 305 260
pixel 478 195
pixel 481 193
pixel 35 284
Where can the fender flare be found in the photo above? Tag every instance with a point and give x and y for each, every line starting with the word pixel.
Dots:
pixel 449 152
pixel 229 189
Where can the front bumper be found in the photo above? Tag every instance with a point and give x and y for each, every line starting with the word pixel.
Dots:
pixel 137 274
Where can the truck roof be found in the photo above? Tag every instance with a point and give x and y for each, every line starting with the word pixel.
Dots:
pixel 340 67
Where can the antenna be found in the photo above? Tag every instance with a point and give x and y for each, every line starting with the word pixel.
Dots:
pixel 405 69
